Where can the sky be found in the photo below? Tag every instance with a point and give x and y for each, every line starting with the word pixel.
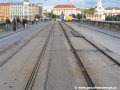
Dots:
pixel 49 4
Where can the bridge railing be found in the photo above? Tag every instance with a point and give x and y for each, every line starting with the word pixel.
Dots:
pixel 3 26
pixel 113 25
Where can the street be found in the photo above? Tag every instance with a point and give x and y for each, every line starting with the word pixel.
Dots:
pixel 57 55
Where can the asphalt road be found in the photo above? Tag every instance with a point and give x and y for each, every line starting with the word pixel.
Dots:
pixel 46 61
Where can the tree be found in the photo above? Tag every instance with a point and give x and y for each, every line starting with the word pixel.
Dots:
pixel 89 11
pixel 37 16
pixel 73 15
pixel 79 16
pixel 118 17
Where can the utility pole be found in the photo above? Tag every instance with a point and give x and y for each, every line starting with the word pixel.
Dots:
pixel 83 12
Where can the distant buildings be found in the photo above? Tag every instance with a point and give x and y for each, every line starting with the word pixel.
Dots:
pixel 37 9
pixel 20 9
pixel 4 11
pixel 112 11
pixel 66 10
pixel 44 11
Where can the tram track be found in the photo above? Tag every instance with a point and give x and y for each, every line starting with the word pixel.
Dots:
pixel 83 69
pixel 32 78
pixel 15 52
pixel 103 52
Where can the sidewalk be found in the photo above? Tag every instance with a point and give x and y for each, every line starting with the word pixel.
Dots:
pixel 10 32
pixel 102 30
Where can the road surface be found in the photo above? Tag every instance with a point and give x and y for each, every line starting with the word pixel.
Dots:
pixel 49 56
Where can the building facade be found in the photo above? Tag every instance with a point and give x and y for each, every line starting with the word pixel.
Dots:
pixel 99 13
pixel 27 10
pixel 4 11
pixel 78 10
pixel 16 10
pixel 112 11
pixel 37 9
pixel 21 10
pixel 65 9
pixel 99 9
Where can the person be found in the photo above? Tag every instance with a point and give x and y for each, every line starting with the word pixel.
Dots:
pixel 14 24
pixel 36 20
pixel 23 22
pixel 18 22
pixel 2 21
pixel 26 23
pixel 7 24
pixel 32 21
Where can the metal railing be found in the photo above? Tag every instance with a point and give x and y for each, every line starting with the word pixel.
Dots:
pixel 113 25
pixel 3 26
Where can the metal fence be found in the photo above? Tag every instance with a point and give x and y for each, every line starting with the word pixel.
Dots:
pixel 113 25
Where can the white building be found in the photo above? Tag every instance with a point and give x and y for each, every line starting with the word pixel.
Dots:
pixel 27 10
pixel 21 9
pixel 99 13
pixel 66 10
pixel 99 9
pixel 112 10
pixel 16 9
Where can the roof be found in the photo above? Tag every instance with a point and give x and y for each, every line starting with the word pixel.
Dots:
pixel 4 3
pixel 65 6
pixel 16 3
pixel 111 8
pixel 114 13
pixel 45 11
pixel 78 9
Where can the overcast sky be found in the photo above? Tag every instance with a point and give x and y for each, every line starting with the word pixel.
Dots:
pixel 48 4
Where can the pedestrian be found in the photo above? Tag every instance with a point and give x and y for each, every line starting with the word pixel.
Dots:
pixel 36 20
pixel 23 22
pixel 26 23
pixel 2 21
pixel 7 23
pixel 32 21
pixel 18 22
pixel 14 24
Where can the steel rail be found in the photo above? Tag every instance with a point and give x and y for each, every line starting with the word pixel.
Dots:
pixel 15 52
pixel 33 75
pixel 108 56
pixel 84 71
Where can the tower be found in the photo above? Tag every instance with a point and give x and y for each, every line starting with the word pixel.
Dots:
pixel 99 9
pixel 26 0
pixel 99 3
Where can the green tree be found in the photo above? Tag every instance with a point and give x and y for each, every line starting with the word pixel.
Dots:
pixel 37 16
pixel 79 16
pixel 89 11
pixel 109 18
pixel 73 15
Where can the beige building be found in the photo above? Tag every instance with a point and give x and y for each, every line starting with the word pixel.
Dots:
pixel 112 10
pixel 37 9
pixel 66 10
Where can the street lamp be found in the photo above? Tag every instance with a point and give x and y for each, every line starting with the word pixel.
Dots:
pixel 83 11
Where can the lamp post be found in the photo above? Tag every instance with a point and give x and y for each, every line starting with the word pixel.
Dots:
pixel 83 11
